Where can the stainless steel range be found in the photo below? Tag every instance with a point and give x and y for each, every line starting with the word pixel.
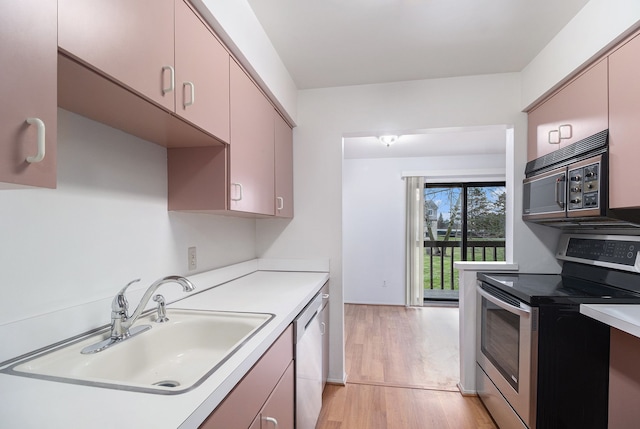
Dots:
pixel 540 363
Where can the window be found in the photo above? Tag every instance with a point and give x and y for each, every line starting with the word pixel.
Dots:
pixel 463 222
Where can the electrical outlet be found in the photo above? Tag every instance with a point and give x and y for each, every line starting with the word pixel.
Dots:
pixel 193 260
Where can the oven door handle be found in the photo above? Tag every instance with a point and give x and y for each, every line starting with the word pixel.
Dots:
pixel 523 311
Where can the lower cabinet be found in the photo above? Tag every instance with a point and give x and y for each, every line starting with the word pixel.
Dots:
pixel 264 398
pixel 277 412
pixel 624 380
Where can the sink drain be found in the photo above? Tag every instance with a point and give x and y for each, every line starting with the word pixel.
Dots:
pixel 167 383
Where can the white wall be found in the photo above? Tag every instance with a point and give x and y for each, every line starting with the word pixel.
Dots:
pixel 325 115
pixel 374 222
pixel 106 224
pixel 593 30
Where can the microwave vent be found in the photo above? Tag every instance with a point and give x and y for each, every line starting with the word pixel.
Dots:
pixel 571 153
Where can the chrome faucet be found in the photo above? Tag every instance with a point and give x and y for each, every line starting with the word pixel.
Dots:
pixel 121 322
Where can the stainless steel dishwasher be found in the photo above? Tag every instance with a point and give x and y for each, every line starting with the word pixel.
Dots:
pixel 308 361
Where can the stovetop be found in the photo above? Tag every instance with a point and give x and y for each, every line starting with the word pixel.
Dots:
pixel 597 269
pixel 541 289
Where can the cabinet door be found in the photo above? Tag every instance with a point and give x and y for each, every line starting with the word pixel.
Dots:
pixel 202 74
pixel 624 115
pixel 129 41
pixel 278 410
pixel 251 148
pixel 283 168
pixel 244 403
pixel 577 111
pixel 28 54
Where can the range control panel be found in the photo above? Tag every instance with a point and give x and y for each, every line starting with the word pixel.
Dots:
pixel 584 187
pixel 612 251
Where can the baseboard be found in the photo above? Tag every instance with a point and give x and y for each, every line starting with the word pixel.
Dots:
pixel 466 392
pixel 337 381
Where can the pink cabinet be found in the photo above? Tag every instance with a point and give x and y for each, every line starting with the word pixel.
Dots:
pixel 131 42
pixel 251 148
pixel 283 168
pixel 159 49
pixel 266 392
pixel 201 74
pixel 28 54
pixel 278 410
pixel 624 125
pixel 578 110
pixel 624 380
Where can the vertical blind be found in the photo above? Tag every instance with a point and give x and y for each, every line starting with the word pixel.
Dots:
pixel 414 241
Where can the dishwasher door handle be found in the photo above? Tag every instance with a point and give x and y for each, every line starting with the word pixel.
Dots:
pixel 304 319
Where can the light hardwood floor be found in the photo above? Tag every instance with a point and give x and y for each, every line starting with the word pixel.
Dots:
pixel 402 369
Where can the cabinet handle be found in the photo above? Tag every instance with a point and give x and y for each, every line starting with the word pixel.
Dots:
pixel 239 186
pixel 323 328
pixel 280 204
pixel 560 136
pixel 271 420
pixel 41 143
pixel 193 94
pixel 554 141
pixel 172 79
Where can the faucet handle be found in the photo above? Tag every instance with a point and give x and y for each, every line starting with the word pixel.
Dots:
pixel 120 304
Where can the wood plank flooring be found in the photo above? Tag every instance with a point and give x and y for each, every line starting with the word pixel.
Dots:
pixel 402 368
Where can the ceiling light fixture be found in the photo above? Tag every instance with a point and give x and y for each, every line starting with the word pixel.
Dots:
pixel 388 139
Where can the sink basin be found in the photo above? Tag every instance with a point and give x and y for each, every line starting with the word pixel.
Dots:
pixel 172 357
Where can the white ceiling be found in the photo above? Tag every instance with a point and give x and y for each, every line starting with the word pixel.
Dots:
pixel 325 43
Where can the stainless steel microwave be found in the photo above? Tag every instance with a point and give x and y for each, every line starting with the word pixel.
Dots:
pixel 572 191
pixel 569 188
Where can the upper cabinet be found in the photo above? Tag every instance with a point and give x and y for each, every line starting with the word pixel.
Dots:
pixel 577 111
pixel 252 175
pixel 201 74
pixel 251 149
pixel 624 125
pixel 283 167
pixel 29 117
pixel 159 49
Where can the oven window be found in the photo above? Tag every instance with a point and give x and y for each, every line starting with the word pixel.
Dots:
pixel 500 339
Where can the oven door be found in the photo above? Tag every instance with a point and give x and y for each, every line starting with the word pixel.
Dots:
pixel 507 349
pixel 545 195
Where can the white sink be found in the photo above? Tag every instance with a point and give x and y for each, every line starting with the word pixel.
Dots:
pixel 172 357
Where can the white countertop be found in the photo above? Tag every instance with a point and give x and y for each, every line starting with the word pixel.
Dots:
pixel 33 403
pixel 625 317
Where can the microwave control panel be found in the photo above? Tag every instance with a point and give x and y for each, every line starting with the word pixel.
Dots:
pixel 584 187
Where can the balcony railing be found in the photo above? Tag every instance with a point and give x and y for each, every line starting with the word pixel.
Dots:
pixel 439 256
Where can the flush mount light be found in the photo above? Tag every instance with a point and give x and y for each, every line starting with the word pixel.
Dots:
pixel 388 139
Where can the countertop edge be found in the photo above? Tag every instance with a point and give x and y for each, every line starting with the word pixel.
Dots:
pixel 623 317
